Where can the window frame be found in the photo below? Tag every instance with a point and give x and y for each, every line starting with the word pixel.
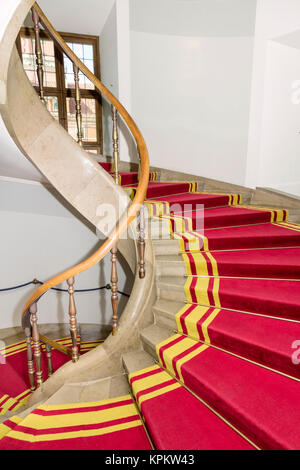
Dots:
pixel 60 91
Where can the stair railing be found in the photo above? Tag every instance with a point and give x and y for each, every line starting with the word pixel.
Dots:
pixel 29 314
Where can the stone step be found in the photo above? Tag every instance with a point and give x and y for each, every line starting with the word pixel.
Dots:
pixel 136 360
pixel 153 335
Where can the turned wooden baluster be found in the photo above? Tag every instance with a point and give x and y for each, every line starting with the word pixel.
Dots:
pixel 115 145
pixel 114 289
pixel 142 243
pixel 78 106
pixel 39 54
pixel 36 345
pixel 73 321
pixel 49 357
pixel 30 358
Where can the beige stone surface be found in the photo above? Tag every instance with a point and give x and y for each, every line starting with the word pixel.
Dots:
pixel 85 392
pixel 79 179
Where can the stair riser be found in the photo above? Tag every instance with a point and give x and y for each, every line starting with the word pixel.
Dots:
pixel 167 293
pixel 165 322
pixel 158 230
pixel 166 247
pixel 170 269
pixel 149 348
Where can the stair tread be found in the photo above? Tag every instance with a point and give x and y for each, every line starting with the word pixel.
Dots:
pixel 232 216
pixel 176 419
pixel 237 394
pixel 278 298
pixel 109 424
pixel 276 263
pixel 161 188
pixel 155 334
pixel 191 201
pixel 90 391
pixel 264 340
pixel 252 236
pixel 169 259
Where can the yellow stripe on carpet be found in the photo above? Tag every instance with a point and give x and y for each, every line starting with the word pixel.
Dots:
pixel 149 382
pixel 74 434
pixel 4 429
pixel 196 241
pixel 133 375
pixel 282 215
pixel 177 349
pixel 200 290
pixel 39 422
pixel 181 224
pixel 289 226
pixel 146 383
pixel 200 264
pixel 157 208
pixel 192 319
pixel 159 392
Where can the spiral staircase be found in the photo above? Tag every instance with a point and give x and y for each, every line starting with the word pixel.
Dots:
pixel 204 356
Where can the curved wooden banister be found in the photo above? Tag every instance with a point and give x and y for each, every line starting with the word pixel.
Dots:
pixel 139 198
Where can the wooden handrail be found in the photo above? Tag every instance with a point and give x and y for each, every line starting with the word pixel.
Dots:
pixel 140 195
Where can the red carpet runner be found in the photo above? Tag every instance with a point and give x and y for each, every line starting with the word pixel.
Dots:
pixel 14 381
pixel 226 379
pixel 106 425
pixel 235 339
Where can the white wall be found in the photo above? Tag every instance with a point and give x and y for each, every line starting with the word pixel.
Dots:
pixel 191 99
pixel 116 75
pixel 279 165
pixel 191 68
pixel 274 19
pixel 204 18
pixel 109 73
pixel 40 238
pixel 12 161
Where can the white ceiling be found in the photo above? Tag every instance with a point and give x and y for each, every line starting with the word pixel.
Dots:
pixel 77 16
pixel 194 17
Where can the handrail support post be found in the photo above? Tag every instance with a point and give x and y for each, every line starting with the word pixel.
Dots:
pixel 39 54
pixel 142 243
pixel 115 136
pixel 73 321
pixel 31 373
pixel 36 345
pixel 78 106
pixel 114 289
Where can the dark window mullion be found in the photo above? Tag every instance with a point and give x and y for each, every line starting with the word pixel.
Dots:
pixel 61 92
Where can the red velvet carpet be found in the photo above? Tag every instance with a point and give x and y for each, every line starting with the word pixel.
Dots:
pixel 14 380
pixel 106 425
pixel 236 333
pixel 235 342
pixel 230 376
pixel 176 419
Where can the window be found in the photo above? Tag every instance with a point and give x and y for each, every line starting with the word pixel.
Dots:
pixel 59 85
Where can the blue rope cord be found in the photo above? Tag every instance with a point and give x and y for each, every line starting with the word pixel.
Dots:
pixel 16 287
pixel 35 281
